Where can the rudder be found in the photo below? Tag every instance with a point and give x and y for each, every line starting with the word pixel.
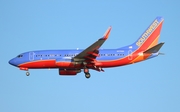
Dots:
pixel 151 35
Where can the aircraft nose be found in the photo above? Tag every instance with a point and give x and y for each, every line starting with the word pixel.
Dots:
pixel 12 62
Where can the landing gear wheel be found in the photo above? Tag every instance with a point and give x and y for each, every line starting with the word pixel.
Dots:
pixel 27 73
pixel 87 75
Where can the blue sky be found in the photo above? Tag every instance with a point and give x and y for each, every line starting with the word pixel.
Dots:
pixel 150 86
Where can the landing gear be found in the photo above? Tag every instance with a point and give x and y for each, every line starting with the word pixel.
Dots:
pixel 27 73
pixel 87 74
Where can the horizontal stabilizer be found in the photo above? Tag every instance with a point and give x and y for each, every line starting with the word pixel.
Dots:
pixel 154 49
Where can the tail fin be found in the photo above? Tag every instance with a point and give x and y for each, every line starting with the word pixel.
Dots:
pixel 150 37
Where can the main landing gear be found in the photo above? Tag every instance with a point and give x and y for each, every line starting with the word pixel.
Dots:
pixel 87 75
pixel 27 73
pixel 86 72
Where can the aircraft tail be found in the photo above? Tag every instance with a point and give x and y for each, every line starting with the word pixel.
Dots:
pixel 150 37
pixel 153 51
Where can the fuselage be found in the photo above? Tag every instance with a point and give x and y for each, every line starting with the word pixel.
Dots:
pixel 49 58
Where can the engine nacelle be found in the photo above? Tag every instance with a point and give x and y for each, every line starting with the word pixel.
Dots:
pixel 69 72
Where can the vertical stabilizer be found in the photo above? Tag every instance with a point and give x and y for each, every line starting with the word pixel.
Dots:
pixel 151 35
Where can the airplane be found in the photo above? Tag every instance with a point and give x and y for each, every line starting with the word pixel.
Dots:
pixel 72 62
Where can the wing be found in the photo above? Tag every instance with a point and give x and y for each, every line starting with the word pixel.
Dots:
pixel 92 51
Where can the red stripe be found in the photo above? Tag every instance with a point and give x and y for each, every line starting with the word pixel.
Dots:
pixel 151 38
pixel 39 64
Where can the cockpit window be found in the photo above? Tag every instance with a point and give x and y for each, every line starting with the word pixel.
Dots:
pixel 19 56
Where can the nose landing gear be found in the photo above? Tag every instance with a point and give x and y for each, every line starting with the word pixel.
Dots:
pixel 27 73
pixel 26 69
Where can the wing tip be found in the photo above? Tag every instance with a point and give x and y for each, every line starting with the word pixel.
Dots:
pixel 106 34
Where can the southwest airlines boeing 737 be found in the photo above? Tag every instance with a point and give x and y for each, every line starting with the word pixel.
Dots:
pixel 71 62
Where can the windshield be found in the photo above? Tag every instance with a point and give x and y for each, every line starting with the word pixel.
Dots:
pixel 19 56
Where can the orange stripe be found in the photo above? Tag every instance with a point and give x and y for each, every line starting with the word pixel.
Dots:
pixel 152 37
pixel 140 58
pixel 155 42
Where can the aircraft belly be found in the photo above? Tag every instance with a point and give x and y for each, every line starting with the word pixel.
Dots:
pixel 39 64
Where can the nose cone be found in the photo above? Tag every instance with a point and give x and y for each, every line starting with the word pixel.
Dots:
pixel 12 62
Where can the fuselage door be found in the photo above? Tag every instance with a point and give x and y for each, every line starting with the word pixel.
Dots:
pixel 31 56
pixel 130 54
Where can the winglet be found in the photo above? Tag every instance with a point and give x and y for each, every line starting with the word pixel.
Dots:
pixel 106 34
